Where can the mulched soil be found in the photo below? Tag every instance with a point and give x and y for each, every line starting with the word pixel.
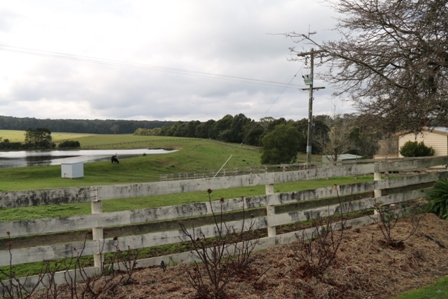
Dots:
pixel 365 267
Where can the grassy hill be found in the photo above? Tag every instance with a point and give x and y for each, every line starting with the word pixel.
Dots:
pixel 191 155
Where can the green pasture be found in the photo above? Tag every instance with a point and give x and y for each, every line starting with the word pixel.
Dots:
pixel 191 155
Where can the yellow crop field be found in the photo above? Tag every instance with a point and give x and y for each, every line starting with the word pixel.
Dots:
pixel 19 136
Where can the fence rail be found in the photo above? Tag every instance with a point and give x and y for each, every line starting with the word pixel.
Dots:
pixel 270 202
pixel 211 173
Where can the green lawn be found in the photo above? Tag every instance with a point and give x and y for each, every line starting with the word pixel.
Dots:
pixel 439 290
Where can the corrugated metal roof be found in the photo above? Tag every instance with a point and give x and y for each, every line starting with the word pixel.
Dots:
pixel 437 130
pixel 341 157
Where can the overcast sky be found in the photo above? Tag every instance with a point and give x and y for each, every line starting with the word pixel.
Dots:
pixel 159 60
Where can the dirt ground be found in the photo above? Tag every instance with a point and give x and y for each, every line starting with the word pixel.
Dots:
pixel 364 268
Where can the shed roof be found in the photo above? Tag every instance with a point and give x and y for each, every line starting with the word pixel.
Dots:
pixel 440 130
pixel 342 157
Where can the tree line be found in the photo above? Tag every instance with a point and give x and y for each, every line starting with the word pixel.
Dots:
pixel 95 126
pixel 280 139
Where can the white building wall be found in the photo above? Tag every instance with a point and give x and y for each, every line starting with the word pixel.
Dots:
pixel 439 142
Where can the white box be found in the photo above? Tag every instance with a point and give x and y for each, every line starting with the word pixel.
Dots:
pixel 72 170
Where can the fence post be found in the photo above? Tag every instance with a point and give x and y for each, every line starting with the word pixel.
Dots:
pixel 376 177
pixel 270 210
pixel 97 232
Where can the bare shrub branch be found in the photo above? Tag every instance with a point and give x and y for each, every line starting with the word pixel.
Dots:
pixel 387 217
pixel 316 248
pixel 221 258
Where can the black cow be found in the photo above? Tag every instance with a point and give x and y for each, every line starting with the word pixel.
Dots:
pixel 114 159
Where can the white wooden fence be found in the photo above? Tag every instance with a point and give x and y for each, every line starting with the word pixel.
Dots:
pixel 99 220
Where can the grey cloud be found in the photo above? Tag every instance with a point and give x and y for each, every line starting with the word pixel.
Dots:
pixel 229 38
pixel 6 19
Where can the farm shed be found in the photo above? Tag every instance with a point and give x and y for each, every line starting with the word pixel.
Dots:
pixel 342 159
pixel 436 137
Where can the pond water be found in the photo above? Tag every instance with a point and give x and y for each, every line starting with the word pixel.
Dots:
pixel 40 158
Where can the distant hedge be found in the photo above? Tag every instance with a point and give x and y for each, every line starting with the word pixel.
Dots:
pixel 69 144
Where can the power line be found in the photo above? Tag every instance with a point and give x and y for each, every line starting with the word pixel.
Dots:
pixel 253 127
pixel 119 63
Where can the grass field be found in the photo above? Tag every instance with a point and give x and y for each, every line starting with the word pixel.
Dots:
pixel 192 155
pixel 19 136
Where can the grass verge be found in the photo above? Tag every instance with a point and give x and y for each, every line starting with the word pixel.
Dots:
pixel 439 290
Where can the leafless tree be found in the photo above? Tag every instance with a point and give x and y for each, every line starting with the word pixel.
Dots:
pixel 391 60
pixel 337 141
pixel 388 147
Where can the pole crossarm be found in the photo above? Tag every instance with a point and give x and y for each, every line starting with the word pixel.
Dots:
pixel 315 88
pixel 312 52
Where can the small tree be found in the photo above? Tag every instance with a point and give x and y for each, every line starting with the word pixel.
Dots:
pixel 280 146
pixel 38 138
pixel 416 149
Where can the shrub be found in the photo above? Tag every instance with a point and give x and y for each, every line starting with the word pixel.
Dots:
pixel 416 149
pixel 438 199
pixel 387 217
pixel 223 257
pixel 69 144
pixel 316 248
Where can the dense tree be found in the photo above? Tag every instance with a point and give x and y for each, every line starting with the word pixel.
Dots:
pixel 280 145
pixel 69 144
pixel 221 128
pixel 6 145
pixel 191 128
pixel 95 126
pixel 392 60
pixel 203 129
pixel 320 132
pixel 236 133
pixel 38 138
pixel 252 132
pixel 272 124
pixel 178 129
pixel 115 129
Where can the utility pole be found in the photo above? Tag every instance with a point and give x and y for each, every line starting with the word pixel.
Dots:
pixel 309 81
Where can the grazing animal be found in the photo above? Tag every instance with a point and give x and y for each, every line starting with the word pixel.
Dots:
pixel 114 159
